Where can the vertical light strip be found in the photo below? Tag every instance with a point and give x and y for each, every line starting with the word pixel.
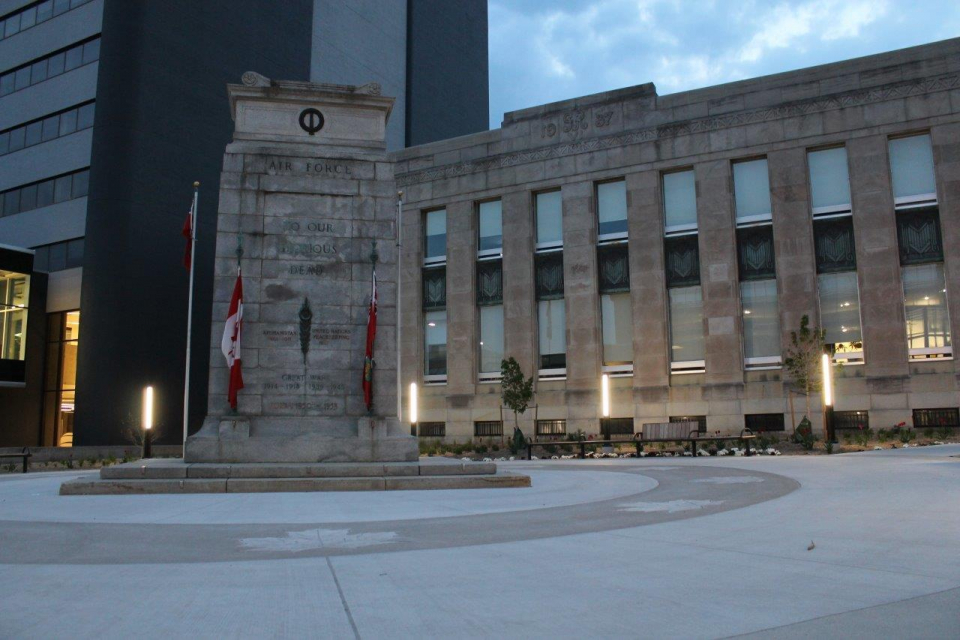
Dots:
pixel 827 380
pixel 605 395
pixel 148 407
pixel 413 403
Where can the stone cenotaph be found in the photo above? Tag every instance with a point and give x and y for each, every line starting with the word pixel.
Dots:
pixel 308 208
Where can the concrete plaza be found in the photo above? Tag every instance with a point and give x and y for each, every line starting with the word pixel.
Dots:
pixel 677 547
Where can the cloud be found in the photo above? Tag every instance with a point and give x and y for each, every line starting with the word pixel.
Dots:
pixel 542 52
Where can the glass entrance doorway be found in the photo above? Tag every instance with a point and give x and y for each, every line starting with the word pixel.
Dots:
pixel 60 381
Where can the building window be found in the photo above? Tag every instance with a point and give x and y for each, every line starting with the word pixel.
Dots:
pixel 34 14
pixel 552 329
pixel 549 212
pixel 933 418
pixel 612 210
pixel 490 239
pixel 50 66
pixel 37 195
pixel 491 342
pixel 59 256
pixel 435 237
pixel 751 184
pixel 858 420
pixel 911 167
pixel 617 326
pixel 435 346
pixel 14 308
pixel 488 429
pixel 60 380
pixel 763 422
pixel 45 129
pixel 610 427
pixel 840 315
pixel 686 330
pixel 432 429
pixel 548 428
pixel 700 420
pixel 925 304
pixel 755 252
pixel 829 181
pixel 761 323
pixel 679 201
pixel 918 233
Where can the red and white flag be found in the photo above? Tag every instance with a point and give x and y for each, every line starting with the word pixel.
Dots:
pixel 371 336
pixel 187 232
pixel 230 344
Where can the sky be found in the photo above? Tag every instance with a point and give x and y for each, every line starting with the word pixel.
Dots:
pixel 548 50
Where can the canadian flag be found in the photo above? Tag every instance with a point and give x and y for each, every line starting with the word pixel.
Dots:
pixel 371 336
pixel 230 344
pixel 187 232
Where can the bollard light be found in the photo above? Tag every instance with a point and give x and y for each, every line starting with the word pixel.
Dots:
pixel 413 403
pixel 605 395
pixel 827 380
pixel 147 408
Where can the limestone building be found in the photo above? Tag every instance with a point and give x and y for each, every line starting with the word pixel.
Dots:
pixel 674 242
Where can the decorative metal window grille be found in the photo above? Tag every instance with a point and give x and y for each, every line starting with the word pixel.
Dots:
pixel 616 427
pixel 834 245
pixel 755 253
pixel 551 427
pixel 613 268
pixel 682 257
pixel 434 289
pixel 851 420
pixel 760 422
pixel 700 420
pixel 549 275
pixel 936 418
pixel 919 235
pixel 432 429
pixel 488 429
pixel 489 282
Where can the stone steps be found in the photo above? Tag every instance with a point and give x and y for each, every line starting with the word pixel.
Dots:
pixel 175 476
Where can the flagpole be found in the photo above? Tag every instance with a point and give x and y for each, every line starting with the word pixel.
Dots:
pixel 193 267
pixel 399 386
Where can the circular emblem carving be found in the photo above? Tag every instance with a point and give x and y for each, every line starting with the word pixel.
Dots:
pixel 311 120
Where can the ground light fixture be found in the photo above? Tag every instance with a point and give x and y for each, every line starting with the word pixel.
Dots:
pixel 826 363
pixel 147 420
pixel 414 417
pixel 605 396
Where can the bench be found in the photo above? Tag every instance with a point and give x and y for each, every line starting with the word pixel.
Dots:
pixel 24 455
pixel 652 432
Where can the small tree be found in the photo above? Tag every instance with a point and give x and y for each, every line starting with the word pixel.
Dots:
pixel 516 391
pixel 803 358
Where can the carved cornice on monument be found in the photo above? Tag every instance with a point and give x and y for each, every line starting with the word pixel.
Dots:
pixel 687 127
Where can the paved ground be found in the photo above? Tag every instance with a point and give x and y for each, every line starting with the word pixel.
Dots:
pixel 655 548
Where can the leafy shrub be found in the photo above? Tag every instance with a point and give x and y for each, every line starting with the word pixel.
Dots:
pixel 928 433
pixel 829 447
pixel 803 435
pixel 943 433
pixel 480 448
pixel 883 435
pixel 906 435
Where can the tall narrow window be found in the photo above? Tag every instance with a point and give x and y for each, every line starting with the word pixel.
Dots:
pixel 551 312
pixel 757 265
pixel 751 184
pixel 921 248
pixel 682 266
pixel 829 181
pixel 435 325
pixel 615 308
pixel 490 303
pixel 612 210
pixel 836 254
pixel 435 237
pixel 490 240
pixel 60 383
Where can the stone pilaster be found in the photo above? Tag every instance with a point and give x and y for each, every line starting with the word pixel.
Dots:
pixel 519 293
pixel 793 239
pixel 878 259
pixel 946 156
pixel 461 317
pixel 411 320
pixel 582 306
pixel 651 341
pixel 718 274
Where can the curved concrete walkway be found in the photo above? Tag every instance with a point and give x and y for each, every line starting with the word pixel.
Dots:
pixel 659 548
